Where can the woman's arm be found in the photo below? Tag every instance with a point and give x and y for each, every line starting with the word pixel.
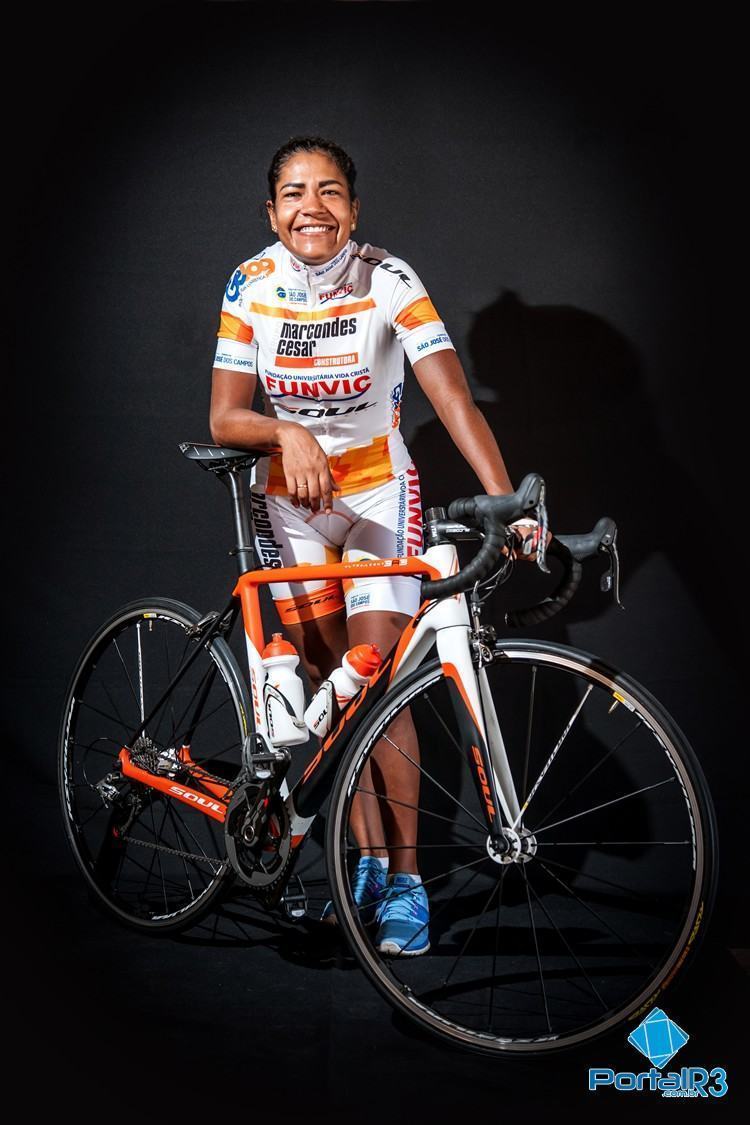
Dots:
pixel 234 423
pixel 442 379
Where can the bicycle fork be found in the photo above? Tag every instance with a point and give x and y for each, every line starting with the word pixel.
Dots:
pixel 482 742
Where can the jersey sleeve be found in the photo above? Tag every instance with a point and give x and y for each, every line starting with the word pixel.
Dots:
pixel 236 348
pixel 412 315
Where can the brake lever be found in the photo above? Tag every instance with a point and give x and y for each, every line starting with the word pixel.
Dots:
pixel 540 515
pixel 611 577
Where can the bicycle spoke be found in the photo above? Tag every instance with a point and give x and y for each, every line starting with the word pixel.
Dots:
pixel 607 804
pixel 552 756
pixel 536 951
pixel 598 879
pixel 90 748
pixel 417 808
pixel 191 834
pixel 169 671
pixel 612 843
pixel 140 670
pixel 193 724
pixel 529 725
pixel 590 772
pixel 409 847
pixel 569 948
pixel 442 788
pixel 181 847
pixel 98 711
pixel 591 910
pixel 446 728
pixel 127 673
pixel 465 946
pixel 496 950
pixel 113 704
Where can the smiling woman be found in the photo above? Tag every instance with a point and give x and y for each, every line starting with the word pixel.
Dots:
pixel 325 322
pixel 297 171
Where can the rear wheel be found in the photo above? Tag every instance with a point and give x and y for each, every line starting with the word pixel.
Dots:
pixel 613 874
pixel 152 860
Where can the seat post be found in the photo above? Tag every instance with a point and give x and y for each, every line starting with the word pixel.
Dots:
pixel 244 550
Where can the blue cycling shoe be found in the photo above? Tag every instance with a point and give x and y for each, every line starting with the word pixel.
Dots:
pixel 368 886
pixel 403 917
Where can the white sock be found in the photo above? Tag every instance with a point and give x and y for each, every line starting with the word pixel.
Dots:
pixel 383 862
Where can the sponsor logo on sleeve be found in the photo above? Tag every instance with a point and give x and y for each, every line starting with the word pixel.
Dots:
pixel 247 274
pixel 396 396
pixel 443 338
pixel 224 359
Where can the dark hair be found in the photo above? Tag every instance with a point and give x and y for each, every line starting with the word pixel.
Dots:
pixel 341 159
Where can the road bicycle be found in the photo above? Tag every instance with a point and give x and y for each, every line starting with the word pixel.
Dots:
pixel 566 836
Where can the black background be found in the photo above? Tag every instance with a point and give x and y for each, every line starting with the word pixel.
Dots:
pixel 566 194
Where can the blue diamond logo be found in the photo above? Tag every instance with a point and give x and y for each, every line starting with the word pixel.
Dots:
pixel 658 1038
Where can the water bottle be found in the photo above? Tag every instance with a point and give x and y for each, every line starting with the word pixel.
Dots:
pixel 283 693
pixel 357 666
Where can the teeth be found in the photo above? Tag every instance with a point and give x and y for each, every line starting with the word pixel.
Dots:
pixel 313 230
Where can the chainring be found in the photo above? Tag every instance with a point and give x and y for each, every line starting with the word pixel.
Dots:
pixel 258 839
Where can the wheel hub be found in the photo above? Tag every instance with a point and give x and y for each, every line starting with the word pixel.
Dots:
pixel 512 846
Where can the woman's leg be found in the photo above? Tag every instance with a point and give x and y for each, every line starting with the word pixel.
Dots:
pixel 321 644
pixel 398 778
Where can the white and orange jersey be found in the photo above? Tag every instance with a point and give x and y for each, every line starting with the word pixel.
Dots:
pixel 327 343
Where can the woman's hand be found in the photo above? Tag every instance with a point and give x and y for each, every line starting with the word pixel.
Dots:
pixel 308 477
pixel 523 533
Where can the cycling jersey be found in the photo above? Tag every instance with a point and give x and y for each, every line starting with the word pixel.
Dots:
pixel 327 343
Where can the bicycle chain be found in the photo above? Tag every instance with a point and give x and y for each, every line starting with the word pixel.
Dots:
pixel 174 851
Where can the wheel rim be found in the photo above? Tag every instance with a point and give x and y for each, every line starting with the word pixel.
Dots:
pixel 152 859
pixel 552 951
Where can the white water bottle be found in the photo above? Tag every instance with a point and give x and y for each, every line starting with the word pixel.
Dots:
pixel 357 666
pixel 283 693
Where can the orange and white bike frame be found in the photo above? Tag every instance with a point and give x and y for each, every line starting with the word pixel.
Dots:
pixel 443 622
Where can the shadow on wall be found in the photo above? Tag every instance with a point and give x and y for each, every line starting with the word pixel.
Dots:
pixel 572 405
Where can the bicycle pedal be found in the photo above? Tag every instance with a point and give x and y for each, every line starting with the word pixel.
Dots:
pixel 263 760
pixel 295 902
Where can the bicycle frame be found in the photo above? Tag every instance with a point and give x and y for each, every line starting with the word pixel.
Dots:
pixel 445 623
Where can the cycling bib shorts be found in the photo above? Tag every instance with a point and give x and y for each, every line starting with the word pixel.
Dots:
pixel 378 523
pixel 327 345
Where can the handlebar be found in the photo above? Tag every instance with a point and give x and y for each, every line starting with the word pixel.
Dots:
pixel 490 515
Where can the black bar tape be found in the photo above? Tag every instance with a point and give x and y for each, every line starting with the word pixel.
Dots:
pixel 561 595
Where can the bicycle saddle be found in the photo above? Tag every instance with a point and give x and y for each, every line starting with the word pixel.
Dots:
pixel 219 459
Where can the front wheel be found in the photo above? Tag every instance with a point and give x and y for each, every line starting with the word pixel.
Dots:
pixel 149 858
pixel 582 927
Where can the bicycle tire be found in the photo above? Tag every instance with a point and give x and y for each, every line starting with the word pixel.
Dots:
pixel 539 995
pixel 129 840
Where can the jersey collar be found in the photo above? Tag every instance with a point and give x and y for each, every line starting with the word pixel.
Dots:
pixel 327 275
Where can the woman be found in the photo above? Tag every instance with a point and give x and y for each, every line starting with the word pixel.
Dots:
pixel 324 322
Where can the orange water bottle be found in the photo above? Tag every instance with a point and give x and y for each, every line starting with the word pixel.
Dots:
pixel 358 665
